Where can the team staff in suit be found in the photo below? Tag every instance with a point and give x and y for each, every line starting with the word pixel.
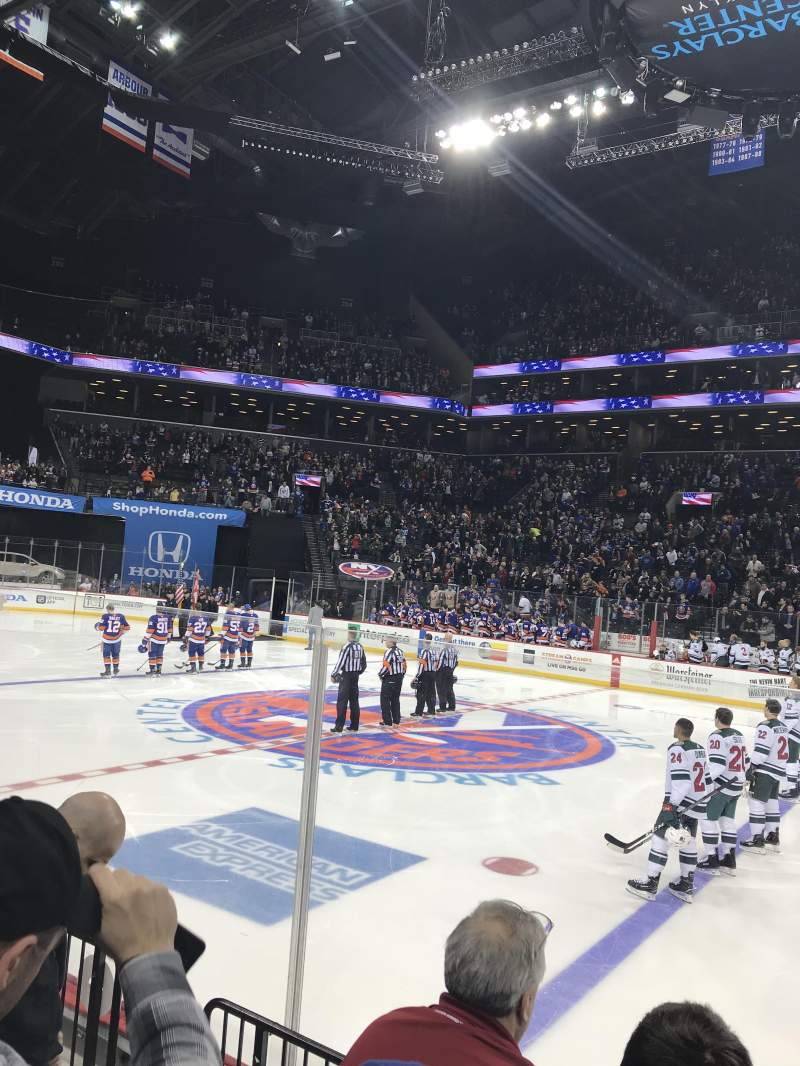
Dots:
pixel 392 671
pixel 425 681
pixel 446 662
pixel 351 664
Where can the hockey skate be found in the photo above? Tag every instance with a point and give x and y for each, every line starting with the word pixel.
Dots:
pixel 710 865
pixel 772 842
pixel 645 888
pixel 755 846
pixel 683 888
pixel 727 864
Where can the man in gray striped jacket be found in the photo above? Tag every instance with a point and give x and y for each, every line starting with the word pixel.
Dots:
pixel 446 662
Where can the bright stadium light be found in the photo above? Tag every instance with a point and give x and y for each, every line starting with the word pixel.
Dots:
pixel 598 107
pixel 168 40
pixel 627 98
pixel 127 10
pixel 571 100
pixel 600 92
pixel 519 112
pixel 467 136
pixel 542 120
pixel 576 111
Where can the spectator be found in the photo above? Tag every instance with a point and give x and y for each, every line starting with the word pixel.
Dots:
pixel 493 966
pixel 684 1034
pixel 40 883
pixel 33 1026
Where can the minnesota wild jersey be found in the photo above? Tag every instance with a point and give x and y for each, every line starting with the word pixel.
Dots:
pixel 688 778
pixel 771 751
pixel 727 760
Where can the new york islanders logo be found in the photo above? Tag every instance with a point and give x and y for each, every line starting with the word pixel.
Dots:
pixel 479 738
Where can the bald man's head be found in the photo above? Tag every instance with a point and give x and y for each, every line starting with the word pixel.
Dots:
pixel 98 824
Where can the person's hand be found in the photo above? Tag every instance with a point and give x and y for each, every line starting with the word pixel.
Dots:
pixel 139 916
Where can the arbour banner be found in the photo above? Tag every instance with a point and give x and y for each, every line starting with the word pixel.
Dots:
pixel 167 541
pixel 118 123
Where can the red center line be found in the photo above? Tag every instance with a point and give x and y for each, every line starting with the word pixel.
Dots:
pixel 234 749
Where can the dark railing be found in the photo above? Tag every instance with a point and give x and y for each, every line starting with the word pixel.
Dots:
pixel 248 1039
pixel 94 1022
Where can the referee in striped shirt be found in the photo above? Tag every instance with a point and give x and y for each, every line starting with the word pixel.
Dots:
pixel 392 671
pixel 446 663
pixel 425 681
pixel 351 664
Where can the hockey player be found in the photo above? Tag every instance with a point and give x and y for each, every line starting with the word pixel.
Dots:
pixel 718 652
pixel 425 681
pixel 785 657
pixel 686 791
pixel 790 716
pixel 739 653
pixel 697 648
pixel 452 621
pixel 727 763
pixel 158 635
pixel 229 639
pixel 510 630
pixel 584 638
pixel 766 658
pixel 112 627
pixel 249 630
pixel 198 633
pixel 766 772
pixel 526 630
pixel 541 631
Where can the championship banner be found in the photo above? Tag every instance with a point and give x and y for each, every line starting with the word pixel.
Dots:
pixel 168 541
pixel 32 23
pixel 172 148
pixel 124 127
pixel 729 155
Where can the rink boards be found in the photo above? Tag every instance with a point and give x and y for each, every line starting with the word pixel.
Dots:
pixel 711 684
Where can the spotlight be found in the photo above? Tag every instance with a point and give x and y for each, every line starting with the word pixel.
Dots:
pixel 575 111
pixel 627 98
pixel 127 10
pixel 519 112
pixel 476 133
pixel 297 51
pixel 513 126
pixel 571 100
pixel 600 92
pixel 542 120
pixel 556 105
pixel 168 40
pixel 525 124
pixel 508 116
pixel 496 119
pixel 441 134
pixel 598 108
pixel 330 56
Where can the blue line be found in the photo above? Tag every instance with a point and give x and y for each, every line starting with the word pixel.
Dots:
pixel 585 973
pixel 101 677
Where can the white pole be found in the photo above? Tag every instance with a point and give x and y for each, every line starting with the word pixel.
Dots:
pixel 308 814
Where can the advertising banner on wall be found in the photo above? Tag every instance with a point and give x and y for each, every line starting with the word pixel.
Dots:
pixel 167 541
pixel 40 499
pixel 124 127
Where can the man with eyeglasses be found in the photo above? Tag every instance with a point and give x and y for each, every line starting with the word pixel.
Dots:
pixel 493 966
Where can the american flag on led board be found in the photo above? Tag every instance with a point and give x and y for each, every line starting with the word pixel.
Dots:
pixel 697 499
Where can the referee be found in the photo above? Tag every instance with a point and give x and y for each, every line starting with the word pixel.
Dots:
pixel 425 681
pixel 392 671
pixel 445 665
pixel 351 664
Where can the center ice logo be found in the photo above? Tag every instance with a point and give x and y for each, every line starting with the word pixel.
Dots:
pixel 483 738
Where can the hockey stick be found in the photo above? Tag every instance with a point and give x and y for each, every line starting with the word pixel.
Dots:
pixel 97 645
pixel 637 842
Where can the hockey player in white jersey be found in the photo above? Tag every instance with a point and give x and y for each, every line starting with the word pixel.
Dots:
pixel 766 773
pixel 727 763
pixel 766 659
pixel 687 785
pixel 785 657
pixel 790 716
pixel 718 652
pixel 697 648
pixel 739 654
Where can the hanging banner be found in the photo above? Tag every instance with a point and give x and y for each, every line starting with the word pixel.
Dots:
pixel 732 154
pixel 32 23
pixel 124 127
pixel 172 148
pixel 168 541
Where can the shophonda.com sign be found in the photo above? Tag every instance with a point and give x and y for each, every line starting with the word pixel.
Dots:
pixel 40 499
pixel 366 571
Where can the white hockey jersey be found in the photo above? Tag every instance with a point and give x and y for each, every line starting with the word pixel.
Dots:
pixel 716 649
pixel 739 654
pixel 785 660
pixel 688 778
pixel 727 760
pixel 771 751
pixel 790 714
pixel 766 660
pixel 696 651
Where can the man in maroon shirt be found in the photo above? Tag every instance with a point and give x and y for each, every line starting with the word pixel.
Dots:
pixel 493 967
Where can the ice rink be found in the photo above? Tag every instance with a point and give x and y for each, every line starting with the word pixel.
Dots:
pixel 509 797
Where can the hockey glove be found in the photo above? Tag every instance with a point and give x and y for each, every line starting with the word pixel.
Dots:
pixel 142 647
pixel 668 818
pixel 183 646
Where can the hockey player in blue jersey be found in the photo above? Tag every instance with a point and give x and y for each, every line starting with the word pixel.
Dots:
pixel 112 627
pixel 229 640
pixel 584 638
pixel 510 631
pixel 451 621
pixel 541 632
pixel 249 631
pixel 158 635
pixel 526 631
pixel 198 633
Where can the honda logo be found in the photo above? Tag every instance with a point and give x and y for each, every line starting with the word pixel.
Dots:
pixel 164 546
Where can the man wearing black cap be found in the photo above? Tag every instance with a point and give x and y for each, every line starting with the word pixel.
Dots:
pixel 40 887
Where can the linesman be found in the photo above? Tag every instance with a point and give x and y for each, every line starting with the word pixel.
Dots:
pixel 446 662
pixel 351 664
pixel 392 671
pixel 425 680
